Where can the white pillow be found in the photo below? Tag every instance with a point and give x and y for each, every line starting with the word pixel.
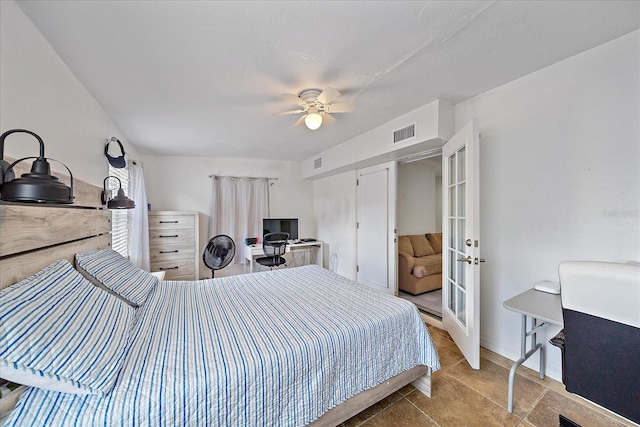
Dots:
pixel 61 333
pixel 117 273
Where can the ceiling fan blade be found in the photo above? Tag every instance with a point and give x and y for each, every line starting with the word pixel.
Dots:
pixel 340 107
pixel 327 119
pixel 284 113
pixel 328 95
pixel 300 121
pixel 293 98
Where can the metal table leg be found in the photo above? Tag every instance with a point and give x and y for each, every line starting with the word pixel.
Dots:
pixel 524 354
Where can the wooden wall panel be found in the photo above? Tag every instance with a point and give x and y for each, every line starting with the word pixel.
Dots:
pixel 33 235
pixel 17 267
pixel 26 227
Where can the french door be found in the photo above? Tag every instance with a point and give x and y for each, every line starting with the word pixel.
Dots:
pixel 461 242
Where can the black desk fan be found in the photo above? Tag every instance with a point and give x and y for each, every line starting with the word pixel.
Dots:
pixel 218 253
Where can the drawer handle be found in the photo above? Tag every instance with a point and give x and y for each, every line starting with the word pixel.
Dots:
pixel 169 252
pixel 168 222
pixel 168 268
pixel 173 235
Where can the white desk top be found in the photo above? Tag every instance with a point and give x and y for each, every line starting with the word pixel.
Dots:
pixel 541 305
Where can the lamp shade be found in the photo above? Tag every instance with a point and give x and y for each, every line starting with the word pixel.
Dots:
pixel 37 186
pixel 120 201
pixel 313 121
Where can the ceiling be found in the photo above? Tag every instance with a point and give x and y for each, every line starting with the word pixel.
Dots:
pixel 206 78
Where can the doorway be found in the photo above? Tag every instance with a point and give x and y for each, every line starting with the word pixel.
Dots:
pixel 419 211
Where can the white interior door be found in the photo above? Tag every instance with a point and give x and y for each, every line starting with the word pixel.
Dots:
pixel 461 251
pixel 375 214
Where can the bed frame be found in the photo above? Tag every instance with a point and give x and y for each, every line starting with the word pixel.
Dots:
pixel 33 236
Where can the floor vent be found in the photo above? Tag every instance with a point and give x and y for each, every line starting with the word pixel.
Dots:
pixel 404 133
pixel 317 163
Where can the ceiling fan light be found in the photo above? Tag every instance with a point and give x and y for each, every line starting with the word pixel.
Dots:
pixel 313 121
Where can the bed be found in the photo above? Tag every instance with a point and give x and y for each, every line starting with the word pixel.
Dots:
pixel 292 347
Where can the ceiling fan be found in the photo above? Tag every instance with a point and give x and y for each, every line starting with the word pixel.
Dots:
pixel 316 106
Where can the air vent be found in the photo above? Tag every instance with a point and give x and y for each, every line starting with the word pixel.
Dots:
pixel 317 163
pixel 404 133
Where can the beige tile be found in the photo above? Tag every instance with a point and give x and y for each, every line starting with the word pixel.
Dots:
pixel 496 358
pixel 560 389
pixel 358 419
pixel 440 333
pixel 552 404
pixel 401 413
pixel 525 423
pixel 406 389
pixel 455 404
pixel 492 381
pixel 522 370
pixel 448 352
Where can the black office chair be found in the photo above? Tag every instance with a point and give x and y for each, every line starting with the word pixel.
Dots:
pixel 274 246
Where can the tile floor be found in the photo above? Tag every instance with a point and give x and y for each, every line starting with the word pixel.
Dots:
pixel 464 397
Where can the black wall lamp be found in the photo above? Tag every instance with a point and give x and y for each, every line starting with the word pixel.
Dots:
pixel 120 201
pixel 39 185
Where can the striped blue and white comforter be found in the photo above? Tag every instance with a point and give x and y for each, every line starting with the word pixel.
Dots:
pixel 276 348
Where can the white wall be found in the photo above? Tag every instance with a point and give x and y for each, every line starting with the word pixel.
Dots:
pixel 39 93
pixel 416 204
pixel 433 125
pixel 560 178
pixel 335 215
pixel 183 183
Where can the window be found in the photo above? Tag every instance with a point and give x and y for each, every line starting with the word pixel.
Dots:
pixel 119 217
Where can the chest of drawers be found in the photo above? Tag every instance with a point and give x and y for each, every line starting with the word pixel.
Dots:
pixel 173 244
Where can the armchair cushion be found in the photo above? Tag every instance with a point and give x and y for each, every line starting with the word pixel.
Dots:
pixel 432 264
pixel 404 245
pixel 421 246
pixel 435 240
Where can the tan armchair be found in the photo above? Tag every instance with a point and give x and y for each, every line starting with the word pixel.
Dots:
pixel 420 263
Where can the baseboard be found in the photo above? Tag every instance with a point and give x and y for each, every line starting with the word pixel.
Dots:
pixel 430 320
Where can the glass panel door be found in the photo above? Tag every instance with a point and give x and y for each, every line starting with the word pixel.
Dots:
pixel 461 278
pixel 456 298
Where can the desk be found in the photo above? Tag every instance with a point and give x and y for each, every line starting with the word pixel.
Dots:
pixel 537 305
pixel 312 252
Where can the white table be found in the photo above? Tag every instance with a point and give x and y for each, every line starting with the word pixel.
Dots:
pixel 539 306
pixel 312 252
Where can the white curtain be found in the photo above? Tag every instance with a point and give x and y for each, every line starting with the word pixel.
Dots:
pixel 238 206
pixel 138 220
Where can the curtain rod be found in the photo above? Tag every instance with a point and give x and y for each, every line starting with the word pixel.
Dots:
pixel 240 177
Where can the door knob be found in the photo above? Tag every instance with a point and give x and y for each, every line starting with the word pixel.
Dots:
pixel 467 259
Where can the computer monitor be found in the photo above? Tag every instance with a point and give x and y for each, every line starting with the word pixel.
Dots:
pixel 277 225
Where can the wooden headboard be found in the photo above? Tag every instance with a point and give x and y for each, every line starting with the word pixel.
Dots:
pixel 32 236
